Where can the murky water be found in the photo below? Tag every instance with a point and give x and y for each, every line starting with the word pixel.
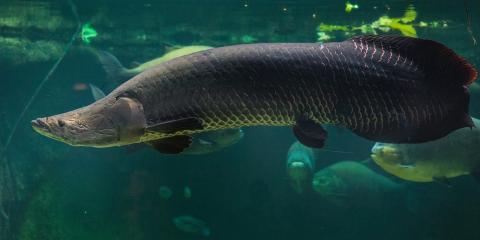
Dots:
pixel 50 190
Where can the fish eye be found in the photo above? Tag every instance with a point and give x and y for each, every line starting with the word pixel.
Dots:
pixel 61 123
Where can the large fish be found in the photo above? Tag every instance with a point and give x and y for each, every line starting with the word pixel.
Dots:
pixel 383 88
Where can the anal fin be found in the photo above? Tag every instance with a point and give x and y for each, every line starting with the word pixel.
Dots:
pixel 169 127
pixel 310 133
pixel 171 145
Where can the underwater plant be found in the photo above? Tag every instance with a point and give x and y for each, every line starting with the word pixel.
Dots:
pixel 406 25
pixel 38 15
pixel 349 7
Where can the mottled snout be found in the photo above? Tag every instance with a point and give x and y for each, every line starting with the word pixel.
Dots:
pixel 39 124
pixel 48 127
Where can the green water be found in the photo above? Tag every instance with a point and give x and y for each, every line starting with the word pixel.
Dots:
pixel 49 190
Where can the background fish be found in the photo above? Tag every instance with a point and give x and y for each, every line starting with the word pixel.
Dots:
pixel 300 166
pixel 352 183
pixel 454 155
pixel 208 142
pixel 165 192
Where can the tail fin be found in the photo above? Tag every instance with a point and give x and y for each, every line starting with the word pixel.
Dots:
pixel 115 71
pixel 441 65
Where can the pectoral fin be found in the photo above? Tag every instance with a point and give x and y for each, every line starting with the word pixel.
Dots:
pixel 171 145
pixel 169 127
pixel 310 133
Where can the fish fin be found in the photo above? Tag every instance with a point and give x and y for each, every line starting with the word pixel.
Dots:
pixel 443 180
pixel 310 133
pixel 114 70
pixel 171 145
pixel 190 123
pixel 441 65
pixel 97 93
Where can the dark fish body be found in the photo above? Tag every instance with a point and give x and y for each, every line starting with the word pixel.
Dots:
pixel 374 91
pixel 389 89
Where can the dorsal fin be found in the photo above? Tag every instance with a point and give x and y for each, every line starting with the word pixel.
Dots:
pixel 440 64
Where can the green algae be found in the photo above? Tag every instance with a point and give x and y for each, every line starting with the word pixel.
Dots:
pixel 405 24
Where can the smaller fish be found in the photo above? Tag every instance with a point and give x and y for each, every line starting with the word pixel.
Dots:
pixel 187 192
pixel 165 192
pixel 118 73
pixel 454 155
pixel 300 166
pixel 191 225
pixel 208 142
pixel 350 182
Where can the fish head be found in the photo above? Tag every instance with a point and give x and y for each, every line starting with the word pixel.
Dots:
pixel 390 154
pixel 299 174
pixel 105 123
pixel 328 184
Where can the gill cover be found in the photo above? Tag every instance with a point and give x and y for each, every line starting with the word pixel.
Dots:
pixel 129 119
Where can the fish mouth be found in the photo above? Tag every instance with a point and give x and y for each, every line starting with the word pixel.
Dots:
pixel 41 126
